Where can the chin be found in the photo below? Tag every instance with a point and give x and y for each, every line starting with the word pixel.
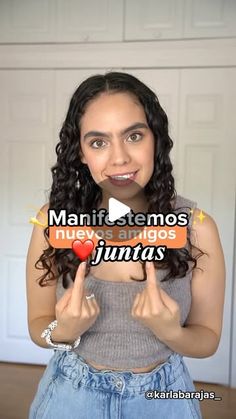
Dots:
pixel 125 195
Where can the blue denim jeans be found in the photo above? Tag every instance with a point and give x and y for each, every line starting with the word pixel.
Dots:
pixel 71 388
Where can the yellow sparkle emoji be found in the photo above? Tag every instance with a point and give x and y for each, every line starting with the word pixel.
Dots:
pixel 201 216
pixel 33 220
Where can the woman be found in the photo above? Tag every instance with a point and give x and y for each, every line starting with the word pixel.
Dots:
pixel 128 324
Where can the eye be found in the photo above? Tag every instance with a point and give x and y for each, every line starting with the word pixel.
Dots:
pixel 97 143
pixel 135 137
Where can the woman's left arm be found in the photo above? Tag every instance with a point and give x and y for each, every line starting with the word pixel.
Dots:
pixel 200 336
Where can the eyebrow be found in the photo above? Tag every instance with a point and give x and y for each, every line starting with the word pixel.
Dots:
pixel 106 134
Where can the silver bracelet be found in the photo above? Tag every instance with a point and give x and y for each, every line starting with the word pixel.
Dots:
pixel 60 346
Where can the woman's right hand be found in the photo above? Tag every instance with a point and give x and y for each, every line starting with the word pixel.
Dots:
pixel 74 313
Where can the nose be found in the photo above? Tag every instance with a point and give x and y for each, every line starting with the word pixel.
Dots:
pixel 119 154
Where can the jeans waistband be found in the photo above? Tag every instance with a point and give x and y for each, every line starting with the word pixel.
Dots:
pixel 73 367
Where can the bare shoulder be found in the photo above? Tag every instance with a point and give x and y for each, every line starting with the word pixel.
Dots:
pixel 43 213
pixel 45 208
pixel 204 232
pixel 205 236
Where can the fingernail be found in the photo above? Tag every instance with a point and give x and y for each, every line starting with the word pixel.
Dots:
pixel 148 264
pixel 83 265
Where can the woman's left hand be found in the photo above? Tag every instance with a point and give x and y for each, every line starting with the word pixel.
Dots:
pixel 156 309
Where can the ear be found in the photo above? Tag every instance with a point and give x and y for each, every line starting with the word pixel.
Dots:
pixel 82 158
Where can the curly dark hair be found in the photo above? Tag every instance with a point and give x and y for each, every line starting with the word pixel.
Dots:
pixel 69 169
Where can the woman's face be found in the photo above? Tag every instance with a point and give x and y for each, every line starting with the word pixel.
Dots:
pixel 116 141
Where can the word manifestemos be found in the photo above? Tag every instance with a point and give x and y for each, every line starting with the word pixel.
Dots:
pixel 101 217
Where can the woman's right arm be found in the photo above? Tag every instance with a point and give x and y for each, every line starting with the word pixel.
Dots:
pixel 41 301
pixel 74 313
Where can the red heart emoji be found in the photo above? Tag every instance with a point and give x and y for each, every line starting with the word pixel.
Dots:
pixel 82 249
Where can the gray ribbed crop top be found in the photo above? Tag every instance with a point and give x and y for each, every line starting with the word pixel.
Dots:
pixel 118 340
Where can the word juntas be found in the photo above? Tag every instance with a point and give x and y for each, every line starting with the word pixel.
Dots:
pixel 100 218
pixel 126 253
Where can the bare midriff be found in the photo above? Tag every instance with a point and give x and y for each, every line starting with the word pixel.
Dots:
pixel 135 370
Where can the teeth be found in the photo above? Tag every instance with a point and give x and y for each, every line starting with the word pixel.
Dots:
pixel 123 176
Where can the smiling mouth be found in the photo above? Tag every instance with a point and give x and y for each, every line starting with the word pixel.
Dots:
pixel 123 179
pixel 123 176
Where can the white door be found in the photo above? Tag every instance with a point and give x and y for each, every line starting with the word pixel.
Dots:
pixel 200 104
pixel 206 172
pixel 27 118
pixel 32 105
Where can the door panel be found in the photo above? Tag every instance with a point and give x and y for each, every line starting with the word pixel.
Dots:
pixel 206 173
